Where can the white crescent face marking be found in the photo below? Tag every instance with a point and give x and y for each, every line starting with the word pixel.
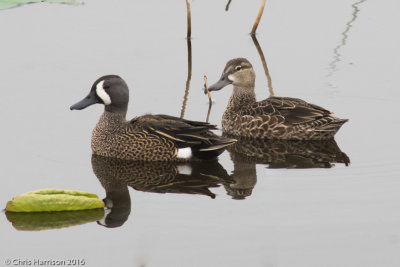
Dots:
pixel 184 153
pixel 102 93
pixel 231 78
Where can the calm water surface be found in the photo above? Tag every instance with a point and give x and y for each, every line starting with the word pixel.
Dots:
pixel 305 208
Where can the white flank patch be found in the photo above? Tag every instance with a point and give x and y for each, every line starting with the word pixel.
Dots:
pixel 184 153
pixel 185 169
pixel 102 93
pixel 102 221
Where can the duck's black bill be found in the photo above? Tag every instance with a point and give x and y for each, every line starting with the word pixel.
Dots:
pixel 224 81
pixel 90 99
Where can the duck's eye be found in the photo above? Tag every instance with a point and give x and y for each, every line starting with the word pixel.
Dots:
pixel 106 87
pixel 238 68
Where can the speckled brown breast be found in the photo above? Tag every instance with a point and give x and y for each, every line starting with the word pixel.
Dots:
pixel 118 139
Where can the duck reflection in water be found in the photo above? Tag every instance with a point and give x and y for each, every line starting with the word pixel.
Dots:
pixel 246 153
pixel 115 175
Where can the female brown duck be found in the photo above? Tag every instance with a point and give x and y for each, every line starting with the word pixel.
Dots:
pixel 274 117
pixel 148 137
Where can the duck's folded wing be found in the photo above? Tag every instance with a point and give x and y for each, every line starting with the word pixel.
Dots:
pixel 292 110
pixel 182 132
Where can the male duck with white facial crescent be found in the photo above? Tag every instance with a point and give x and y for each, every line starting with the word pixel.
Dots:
pixel 149 137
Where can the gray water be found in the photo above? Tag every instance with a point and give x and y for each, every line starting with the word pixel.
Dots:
pixel 342 55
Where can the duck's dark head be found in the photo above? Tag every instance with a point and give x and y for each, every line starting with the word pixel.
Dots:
pixel 239 72
pixel 110 90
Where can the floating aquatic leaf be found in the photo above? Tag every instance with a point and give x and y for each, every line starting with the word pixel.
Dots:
pixel 36 221
pixel 5 4
pixel 54 200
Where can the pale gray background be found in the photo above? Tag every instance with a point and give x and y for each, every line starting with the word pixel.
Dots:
pixel 344 216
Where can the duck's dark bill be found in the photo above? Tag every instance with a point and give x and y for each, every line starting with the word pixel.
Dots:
pixel 90 99
pixel 224 81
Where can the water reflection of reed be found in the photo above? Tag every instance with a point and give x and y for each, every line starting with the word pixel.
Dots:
pixel 116 175
pixel 247 153
pixel 337 57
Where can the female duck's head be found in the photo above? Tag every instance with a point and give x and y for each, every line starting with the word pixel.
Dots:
pixel 239 72
pixel 110 90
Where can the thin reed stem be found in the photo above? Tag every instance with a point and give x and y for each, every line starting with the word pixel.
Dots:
pixel 209 97
pixel 189 20
pixel 260 13
pixel 189 77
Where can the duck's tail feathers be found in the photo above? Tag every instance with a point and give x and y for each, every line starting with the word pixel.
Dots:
pixel 328 128
pixel 213 150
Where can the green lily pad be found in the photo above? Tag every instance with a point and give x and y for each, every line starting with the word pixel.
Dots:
pixel 54 200
pixel 36 221
pixel 5 4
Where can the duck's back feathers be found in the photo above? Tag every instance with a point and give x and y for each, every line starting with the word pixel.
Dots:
pixel 283 118
pixel 292 110
pixel 184 134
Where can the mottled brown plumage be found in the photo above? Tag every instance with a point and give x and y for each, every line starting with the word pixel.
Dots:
pixel 148 137
pixel 115 175
pixel 288 153
pixel 273 118
pixel 246 153
pixel 160 176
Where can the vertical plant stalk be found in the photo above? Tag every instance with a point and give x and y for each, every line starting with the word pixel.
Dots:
pixel 260 13
pixel 189 20
pixel 264 63
pixel 189 77
pixel 227 5
pixel 209 97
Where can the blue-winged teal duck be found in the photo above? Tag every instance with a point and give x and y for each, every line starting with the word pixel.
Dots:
pixel 274 117
pixel 148 137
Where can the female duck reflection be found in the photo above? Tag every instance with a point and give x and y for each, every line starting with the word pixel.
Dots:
pixel 289 154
